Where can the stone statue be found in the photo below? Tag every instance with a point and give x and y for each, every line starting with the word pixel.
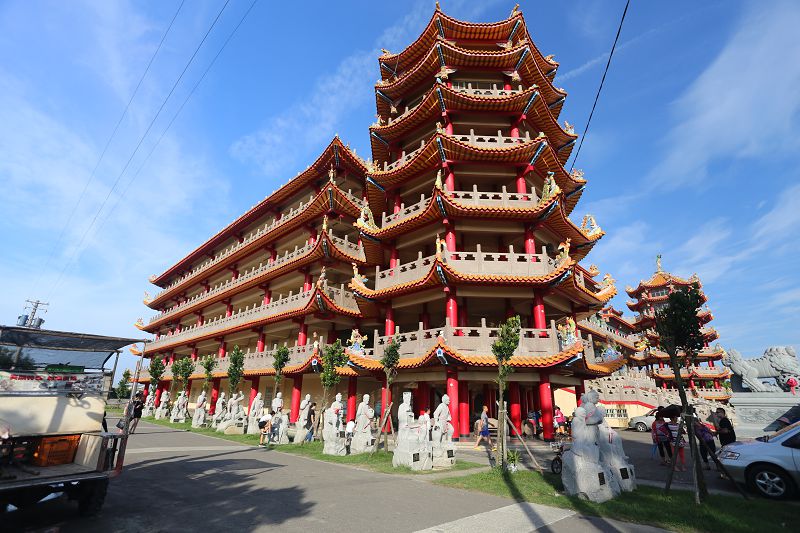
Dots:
pixel 333 429
pixel 362 434
pixel 567 332
pixel 180 410
pixel 234 420
pixel 277 403
pixel 163 406
pixel 199 417
pixel 280 428
pixel 300 426
pixel 595 467
pixel 413 447
pixel 220 411
pixel 356 340
pixel 256 409
pixel 444 453
pixel 778 362
pixel 149 404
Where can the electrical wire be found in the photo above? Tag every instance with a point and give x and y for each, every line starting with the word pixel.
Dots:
pixel 76 253
pixel 600 88
pixel 105 148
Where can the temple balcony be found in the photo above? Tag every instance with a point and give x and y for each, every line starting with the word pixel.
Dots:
pixel 469 262
pixel 473 198
pixel 698 372
pixel 286 219
pixel 250 316
pixel 603 329
pixel 255 275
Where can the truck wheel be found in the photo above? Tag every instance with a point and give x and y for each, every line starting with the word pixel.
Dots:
pixel 92 497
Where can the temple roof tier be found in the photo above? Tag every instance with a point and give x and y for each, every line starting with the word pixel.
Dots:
pixel 327 247
pixel 444 59
pixel 653 355
pixel 441 98
pixel 336 154
pixel 321 298
pixel 661 279
pixel 330 198
pixel 443 26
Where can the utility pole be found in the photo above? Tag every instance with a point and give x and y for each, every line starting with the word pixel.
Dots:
pixel 31 321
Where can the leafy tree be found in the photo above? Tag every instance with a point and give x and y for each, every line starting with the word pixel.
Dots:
pixel 281 358
pixel 390 360
pixel 209 363
pixel 679 331
pixel 123 387
pixel 235 369
pixel 181 370
pixel 332 356
pixel 503 348
pixel 156 370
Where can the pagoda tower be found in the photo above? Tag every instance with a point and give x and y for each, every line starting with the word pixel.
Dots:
pixel 704 378
pixel 461 219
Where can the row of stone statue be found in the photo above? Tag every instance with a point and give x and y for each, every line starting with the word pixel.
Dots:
pixel 422 444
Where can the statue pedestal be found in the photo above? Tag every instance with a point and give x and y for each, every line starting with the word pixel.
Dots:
pixel 443 456
pixel 300 434
pixel 412 450
pixel 199 418
pixel 180 419
pixel 235 429
pixel 590 481
pixel 757 412
pixel 161 413
pixel 334 443
pixel 148 411
pixel 362 442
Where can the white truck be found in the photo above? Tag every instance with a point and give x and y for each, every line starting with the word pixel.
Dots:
pixel 53 390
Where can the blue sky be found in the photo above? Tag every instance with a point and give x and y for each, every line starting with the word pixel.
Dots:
pixel 692 152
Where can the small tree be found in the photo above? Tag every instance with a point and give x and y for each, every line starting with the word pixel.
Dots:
pixel 235 369
pixel 678 330
pixel 281 358
pixel 209 363
pixel 390 360
pixel 156 370
pixel 503 348
pixel 181 370
pixel 332 356
pixel 123 387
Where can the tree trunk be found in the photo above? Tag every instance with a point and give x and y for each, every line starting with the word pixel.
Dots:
pixel 501 423
pixel 321 415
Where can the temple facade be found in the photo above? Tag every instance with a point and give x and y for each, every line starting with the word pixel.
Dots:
pixel 461 218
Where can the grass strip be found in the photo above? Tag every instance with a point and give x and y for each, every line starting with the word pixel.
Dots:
pixel 379 461
pixel 646 505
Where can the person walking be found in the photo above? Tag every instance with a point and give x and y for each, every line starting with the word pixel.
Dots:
pixel 311 420
pixel 560 421
pixel 725 429
pixel 483 434
pixel 678 443
pixel 136 407
pixel 661 435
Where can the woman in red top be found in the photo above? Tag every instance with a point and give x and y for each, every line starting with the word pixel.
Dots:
pixel 661 434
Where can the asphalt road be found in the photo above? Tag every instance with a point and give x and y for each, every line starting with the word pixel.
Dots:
pixel 178 481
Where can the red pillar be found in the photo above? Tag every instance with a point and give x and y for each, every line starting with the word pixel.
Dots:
pixel 514 405
pixel 394 256
pixel 297 390
pixel 462 314
pixel 307 282
pixel 579 389
pixel 214 395
pixel 451 307
pixel 228 309
pixel 194 353
pixel 463 408
pixel 388 328
pixel 485 394
pixel 262 338
pixel 450 236
pixel 302 335
pixel 716 383
pixel 711 363
pixel 386 398
pixel 199 319
pixel 423 400
pixel 449 179
pixel 425 317
pixel 158 394
pixel 253 391
pixel 352 391
pixel 539 321
pixel 223 348
pixel 452 392
pixel 523 402
pixel 546 403
pixel 267 297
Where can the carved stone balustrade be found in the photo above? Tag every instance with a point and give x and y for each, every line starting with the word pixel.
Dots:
pixel 491 140
pixel 483 88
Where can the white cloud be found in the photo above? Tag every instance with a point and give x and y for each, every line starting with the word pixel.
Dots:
pixel 742 105
pixel 780 225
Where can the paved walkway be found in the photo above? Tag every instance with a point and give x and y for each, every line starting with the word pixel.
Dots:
pixel 180 481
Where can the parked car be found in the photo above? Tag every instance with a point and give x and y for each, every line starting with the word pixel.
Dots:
pixel 769 465
pixel 644 422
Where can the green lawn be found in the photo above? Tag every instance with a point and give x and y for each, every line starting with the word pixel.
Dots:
pixel 647 505
pixel 379 461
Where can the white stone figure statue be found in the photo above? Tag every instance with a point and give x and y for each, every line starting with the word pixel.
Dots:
pixel 280 428
pixel 220 411
pixel 444 454
pixel 199 416
pixel 413 446
pixel 235 417
pixel 277 402
pixel 256 409
pixel 333 433
pixel 363 440
pixel 163 406
pixel 149 404
pixel 595 467
pixel 181 408
pixel 300 425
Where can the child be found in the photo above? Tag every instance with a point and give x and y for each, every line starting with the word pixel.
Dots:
pixel 678 443
pixel 264 426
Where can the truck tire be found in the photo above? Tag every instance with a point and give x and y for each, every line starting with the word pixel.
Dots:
pixel 92 497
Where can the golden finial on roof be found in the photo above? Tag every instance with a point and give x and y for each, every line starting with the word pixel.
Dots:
pixel 514 11
pixel 550 58
pixel 541 135
pixel 438 7
pixel 589 225
pixel 438 183
pixel 608 281
pixel 569 128
pixel 576 174
pixel 147 298
pixel 385 52
pixel 593 270
pixel 563 250
pixel 658 263
pixel 139 323
pixel 439 128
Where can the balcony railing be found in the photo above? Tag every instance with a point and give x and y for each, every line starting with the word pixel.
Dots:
pixel 605 329
pixel 257 271
pixel 475 262
pixel 221 324
pixel 704 371
pixel 491 140
pixel 287 216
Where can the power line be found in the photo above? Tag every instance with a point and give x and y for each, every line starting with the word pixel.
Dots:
pixel 108 143
pixel 136 150
pixel 597 96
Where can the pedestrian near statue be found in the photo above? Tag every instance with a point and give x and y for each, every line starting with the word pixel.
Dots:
pixel 311 420
pixel 265 428
pixel 724 428
pixel 483 434
pixel 706 444
pixel 661 437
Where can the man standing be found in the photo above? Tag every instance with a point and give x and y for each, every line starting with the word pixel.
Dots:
pixel 724 428
pixel 311 420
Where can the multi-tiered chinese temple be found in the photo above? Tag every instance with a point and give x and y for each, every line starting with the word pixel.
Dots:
pixel 703 375
pixel 461 219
